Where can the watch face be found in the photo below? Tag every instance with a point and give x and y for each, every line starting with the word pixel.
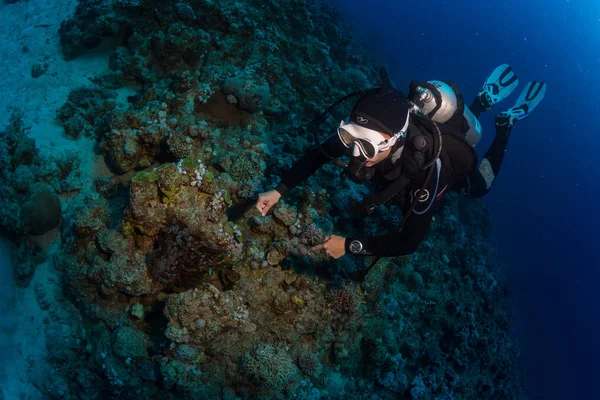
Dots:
pixel 355 246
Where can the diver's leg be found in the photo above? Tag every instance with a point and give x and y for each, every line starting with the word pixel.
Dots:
pixel 528 100
pixel 491 162
pixel 497 87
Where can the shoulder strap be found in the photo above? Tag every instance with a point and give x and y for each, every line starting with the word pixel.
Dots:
pixel 369 204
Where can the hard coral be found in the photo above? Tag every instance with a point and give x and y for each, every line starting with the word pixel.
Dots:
pixel 270 366
pixel 344 300
pixel 87 111
pixel 131 344
pixel 311 366
pixel 201 315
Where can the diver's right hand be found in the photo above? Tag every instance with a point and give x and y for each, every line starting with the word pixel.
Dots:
pixel 267 200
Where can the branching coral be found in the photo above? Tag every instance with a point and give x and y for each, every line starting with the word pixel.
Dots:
pixel 345 301
pixel 311 366
pixel 312 235
pixel 248 170
pixel 269 365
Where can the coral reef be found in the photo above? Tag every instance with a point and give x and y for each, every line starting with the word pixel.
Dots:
pixel 174 286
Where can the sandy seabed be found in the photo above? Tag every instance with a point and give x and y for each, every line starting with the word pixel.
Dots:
pixel 29 37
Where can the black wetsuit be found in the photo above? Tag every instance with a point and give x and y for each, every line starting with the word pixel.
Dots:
pixel 475 183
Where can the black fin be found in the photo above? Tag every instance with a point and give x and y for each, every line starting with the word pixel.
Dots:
pixel 385 85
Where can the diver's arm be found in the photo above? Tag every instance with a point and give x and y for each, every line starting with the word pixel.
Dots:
pixel 399 243
pixel 309 163
pixel 479 182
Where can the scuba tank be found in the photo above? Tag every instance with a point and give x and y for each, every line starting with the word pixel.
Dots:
pixel 443 103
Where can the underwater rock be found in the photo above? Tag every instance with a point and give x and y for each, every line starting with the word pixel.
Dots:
pixel 39 69
pixel 248 94
pixel 42 212
pixel 87 111
pixel 281 302
pixel 285 214
pixel 274 257
pixel 131 344
pixel 180 43
pixel 183 377
pixel 124 151
pixel 87 214
pixel 414 280
pixel 77 125
pixel 185 12
pixel 219 311
pixel 126 272
pixel 187 353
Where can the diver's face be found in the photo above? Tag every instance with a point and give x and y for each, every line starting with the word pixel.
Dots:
pixel 381 155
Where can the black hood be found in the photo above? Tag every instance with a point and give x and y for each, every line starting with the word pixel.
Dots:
pixel 383 109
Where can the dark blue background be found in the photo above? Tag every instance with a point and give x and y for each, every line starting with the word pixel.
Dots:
pixel 544 204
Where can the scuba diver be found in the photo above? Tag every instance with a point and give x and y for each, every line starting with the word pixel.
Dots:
pixel 415 148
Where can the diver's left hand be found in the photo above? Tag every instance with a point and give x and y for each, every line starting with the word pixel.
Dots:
pixel 334 246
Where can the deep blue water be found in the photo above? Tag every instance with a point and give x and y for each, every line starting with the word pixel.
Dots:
pixel 544 204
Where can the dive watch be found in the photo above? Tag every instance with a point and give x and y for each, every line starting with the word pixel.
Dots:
pixel 355 247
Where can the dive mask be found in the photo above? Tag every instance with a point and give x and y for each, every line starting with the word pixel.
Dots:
pixel 366 141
